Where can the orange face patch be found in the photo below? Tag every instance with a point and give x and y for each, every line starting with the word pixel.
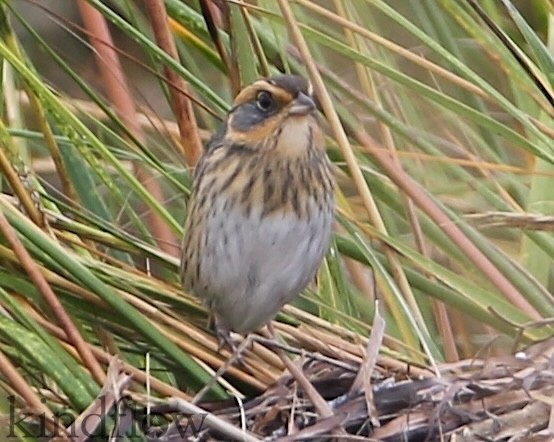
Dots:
pixel 260 133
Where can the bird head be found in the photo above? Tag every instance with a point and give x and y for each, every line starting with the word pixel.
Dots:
pixel 277 112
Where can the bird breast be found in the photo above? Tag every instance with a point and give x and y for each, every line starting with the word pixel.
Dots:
pixel 253 264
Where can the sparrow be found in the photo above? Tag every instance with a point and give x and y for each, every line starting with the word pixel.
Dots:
pixel 262 207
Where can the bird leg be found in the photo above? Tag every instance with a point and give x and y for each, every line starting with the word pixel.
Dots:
pixel 223 334
pixel 224 338
pixel 236 356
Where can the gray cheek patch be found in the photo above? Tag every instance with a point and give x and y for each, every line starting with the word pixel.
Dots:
pixel 247 116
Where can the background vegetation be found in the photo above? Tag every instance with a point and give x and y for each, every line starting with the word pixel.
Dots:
pixel 444 155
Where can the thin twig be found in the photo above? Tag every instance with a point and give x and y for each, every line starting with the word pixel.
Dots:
pixel 363 378
pixel 117 89
pixel 110 395
pixel 357 176
pixel 18 383
pixel 54 303
pixel 18 188
pixel 422 200
pixel 213 421
pixel 319 403
pixel 138 375
pixel 182 107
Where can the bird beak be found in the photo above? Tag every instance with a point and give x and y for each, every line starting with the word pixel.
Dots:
pixel 302 105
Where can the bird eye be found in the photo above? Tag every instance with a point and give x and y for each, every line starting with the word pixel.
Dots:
pixel 264 101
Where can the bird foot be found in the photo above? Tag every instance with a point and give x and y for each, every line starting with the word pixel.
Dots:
pixel 223 334
pixel 234 344
pixel 224 338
